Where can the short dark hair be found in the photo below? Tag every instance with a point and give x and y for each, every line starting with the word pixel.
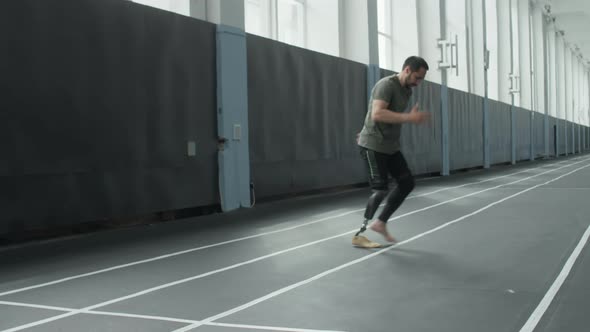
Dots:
pixel 415 63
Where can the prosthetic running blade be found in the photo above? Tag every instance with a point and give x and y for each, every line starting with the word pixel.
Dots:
pixel 362 242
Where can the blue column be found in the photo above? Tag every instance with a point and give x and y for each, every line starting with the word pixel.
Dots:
pixel 583 129
pixel 579 138
pixel 582 139
pixel 557 138
pixel 512 134
pixel 444 130
pixel 532 135
pixel 575 143
pixel 573 138
pixel 585 138
pixel 373 76
pixel 232 118
pixel 566 138
pixel 546 127
pixel 486 133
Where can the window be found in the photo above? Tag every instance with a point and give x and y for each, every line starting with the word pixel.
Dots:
pixel 177 6
pixel 257 17
pixel 291 22
pixel 322 24
pixel 283 20
pixel 384 29
pixel 405 32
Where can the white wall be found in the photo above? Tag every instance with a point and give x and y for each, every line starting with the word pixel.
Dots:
pixel 476 42
pixel 551 71
pixel 504 54
pixel 560 81
pixel 428 14
pixel 516 41
pixel 578 89
pixel 456 27
pixel 492 44
pixel 524 54
pixel 576 86
pixel 538 53
pixel 568 83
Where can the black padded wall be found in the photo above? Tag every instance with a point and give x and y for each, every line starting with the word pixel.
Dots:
pixel 499 121
pixel 522 120
pixel 465 130
pixel 539 135
pixel 564 137
pixel 421 145
pixel 99 100
pixel 578 137
pixel 305 109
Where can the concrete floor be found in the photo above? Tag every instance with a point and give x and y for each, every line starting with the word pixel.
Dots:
pixel 488 250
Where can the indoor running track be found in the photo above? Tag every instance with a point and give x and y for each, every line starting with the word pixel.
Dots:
pixel 493 250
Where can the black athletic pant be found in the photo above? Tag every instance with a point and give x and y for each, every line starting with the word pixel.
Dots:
pixel 379 167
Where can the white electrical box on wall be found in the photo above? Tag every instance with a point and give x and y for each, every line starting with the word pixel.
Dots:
pixel 237 132
pixel 191 148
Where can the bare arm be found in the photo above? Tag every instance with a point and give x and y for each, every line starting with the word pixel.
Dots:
pixel 380 113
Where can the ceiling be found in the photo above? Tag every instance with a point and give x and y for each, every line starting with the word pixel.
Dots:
pixel 573 17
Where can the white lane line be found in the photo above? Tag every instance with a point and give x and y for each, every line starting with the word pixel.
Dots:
pixel 469 184
pixel 162 318
pixel 269 328
pixel 149 290
pixel 481 191
pixel 536 316
pixel 490 179
pixel 117 267
pixel 36 306
pixel 359 260
pixel 190 321
pixel 566 188
pixel 148 317
pixel 153 289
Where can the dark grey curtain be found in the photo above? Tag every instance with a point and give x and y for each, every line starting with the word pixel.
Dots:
pixel 539 135
pixel 99 99
pixel 523 134
pixel 499 121
pixel 465 129
pixel 305 109
pixel 421 145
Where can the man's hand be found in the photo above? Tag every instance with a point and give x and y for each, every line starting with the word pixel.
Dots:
pixel 417 117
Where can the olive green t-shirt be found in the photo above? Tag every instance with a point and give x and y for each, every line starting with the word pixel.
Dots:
pixel 385 137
